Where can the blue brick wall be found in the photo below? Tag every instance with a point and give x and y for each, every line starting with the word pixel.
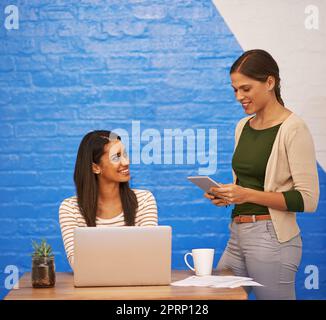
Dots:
pixel 75 66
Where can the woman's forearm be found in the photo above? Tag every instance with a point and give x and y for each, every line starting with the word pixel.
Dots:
pixel 274 200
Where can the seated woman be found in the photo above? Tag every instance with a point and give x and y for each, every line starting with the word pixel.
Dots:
pixel 104 197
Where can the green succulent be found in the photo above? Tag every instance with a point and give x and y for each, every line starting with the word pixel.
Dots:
pixel 42 250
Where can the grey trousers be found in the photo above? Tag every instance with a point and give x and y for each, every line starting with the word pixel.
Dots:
pixel 254 251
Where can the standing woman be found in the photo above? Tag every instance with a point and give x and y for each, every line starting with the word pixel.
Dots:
pixel 104 197
pixel 275 176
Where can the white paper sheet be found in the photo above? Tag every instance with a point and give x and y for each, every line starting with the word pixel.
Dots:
pixel 216 282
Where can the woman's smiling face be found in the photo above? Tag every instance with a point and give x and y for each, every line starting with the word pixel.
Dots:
pixel 114 163
pixel 252 94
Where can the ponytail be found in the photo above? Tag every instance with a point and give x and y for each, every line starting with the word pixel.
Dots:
pixel 277 90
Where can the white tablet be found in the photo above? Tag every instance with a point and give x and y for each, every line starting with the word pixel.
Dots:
pixel 204 182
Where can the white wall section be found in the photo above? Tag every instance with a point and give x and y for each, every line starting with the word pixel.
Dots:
pixel 280 27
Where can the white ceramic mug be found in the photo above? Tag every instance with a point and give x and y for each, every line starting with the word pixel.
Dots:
pixel 203 261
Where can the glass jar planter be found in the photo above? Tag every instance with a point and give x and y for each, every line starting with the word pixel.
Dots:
pixel 43 272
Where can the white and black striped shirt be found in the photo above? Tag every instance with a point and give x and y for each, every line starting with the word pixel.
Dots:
pixel 70 218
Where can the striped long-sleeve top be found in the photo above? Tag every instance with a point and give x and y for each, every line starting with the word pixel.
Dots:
pixel 70 218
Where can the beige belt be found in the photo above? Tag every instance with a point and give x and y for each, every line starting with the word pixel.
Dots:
pixel 251 218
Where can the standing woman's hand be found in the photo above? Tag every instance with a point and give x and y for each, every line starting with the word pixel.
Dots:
pixel 218 202
pixel 231 193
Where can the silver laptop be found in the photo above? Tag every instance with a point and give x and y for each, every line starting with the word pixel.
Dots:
pixel 122 256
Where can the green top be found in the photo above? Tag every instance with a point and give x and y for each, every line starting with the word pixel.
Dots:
pixel 249 164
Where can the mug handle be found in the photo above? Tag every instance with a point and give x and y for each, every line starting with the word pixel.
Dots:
pixel 185 258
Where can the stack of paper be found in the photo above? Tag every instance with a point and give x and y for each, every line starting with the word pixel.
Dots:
pixel 216 282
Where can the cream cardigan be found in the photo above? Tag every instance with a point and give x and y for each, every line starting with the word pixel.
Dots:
pixel 291 165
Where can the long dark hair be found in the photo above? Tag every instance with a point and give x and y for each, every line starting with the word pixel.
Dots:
pixel 259 65
pixel 90 151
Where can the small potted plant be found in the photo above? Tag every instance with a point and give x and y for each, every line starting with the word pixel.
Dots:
pixel 43 267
